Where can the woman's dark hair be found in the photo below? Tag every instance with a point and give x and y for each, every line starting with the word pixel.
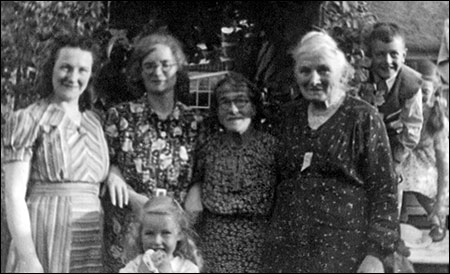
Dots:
pixel 238 82
pixel 45 85
pixel 143 47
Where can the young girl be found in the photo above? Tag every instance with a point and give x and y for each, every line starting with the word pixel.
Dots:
pixel 425 170
pixel 166 239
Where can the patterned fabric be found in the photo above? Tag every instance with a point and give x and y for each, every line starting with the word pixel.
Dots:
pixel 67 165
pixel 336 202
pixel 420 169
pixel 152 154
pixel 237 175
pixel 178 264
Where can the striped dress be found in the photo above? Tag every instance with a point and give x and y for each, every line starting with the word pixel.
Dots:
pixel 68 162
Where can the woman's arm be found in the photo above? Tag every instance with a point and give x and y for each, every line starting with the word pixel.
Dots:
pixel 381 191
pixel 121 193
pixel 16 179
pixel 441 150
pixel 193 201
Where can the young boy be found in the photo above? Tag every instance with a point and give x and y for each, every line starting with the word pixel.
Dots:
pixel 398 96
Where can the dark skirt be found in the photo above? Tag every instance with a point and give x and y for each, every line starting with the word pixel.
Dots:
pixel 232 243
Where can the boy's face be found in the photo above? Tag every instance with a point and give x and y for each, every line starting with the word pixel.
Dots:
pixel 388 58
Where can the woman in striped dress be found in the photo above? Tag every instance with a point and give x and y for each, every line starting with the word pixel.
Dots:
pixel 55 157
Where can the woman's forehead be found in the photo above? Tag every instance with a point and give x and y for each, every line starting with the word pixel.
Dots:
pixel 317 58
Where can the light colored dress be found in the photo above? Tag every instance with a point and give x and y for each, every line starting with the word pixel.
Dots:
pixel 179 265
pixel 68 162
pixel 420 171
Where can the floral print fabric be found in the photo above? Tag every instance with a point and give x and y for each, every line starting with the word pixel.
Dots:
pixel 153 155
pixel 237 175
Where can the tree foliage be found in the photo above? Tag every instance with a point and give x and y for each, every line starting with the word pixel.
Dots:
pixel 349 23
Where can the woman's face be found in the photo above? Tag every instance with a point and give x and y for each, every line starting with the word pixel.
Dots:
pixel 235 110
pixel 159 69
pixel 427 93
pixel 71 73
pixel 318 77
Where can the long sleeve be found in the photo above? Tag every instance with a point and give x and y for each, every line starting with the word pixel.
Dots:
pixel 383 233
pixel 411 118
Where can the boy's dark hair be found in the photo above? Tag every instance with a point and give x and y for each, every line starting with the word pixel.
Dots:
pixel 384 32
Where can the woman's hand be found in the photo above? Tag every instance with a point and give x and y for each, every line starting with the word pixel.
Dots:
pixel 117 187
pixel 371 264
pixel 438 210
pixel 29 265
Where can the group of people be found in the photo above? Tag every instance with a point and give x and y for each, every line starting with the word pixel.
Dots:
pixel 151 188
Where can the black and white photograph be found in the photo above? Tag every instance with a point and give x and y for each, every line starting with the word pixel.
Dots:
pixel 224 136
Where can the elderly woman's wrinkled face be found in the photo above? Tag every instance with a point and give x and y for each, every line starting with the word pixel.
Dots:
pixel 159 69
pixel 235 109
pixel 318 76
pixel 71 73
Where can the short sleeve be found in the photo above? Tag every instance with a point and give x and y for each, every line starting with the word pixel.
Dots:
pixel 19 136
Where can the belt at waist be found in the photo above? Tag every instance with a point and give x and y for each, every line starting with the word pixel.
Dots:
pixel 64 189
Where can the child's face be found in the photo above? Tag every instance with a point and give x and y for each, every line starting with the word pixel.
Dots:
pixel 388 58
pixel 160 232
pixel 427 92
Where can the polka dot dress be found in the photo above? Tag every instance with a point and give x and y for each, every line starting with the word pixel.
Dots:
pixel 336 202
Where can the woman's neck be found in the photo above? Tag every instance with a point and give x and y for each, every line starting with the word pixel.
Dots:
pixel 327 106
pixel 162 105
pixel 320 112
pixel 70 108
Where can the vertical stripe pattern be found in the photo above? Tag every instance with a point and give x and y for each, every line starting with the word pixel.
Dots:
pixel 68 162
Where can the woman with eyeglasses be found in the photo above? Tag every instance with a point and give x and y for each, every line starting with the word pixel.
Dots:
pixel 151 142
pixel 235 175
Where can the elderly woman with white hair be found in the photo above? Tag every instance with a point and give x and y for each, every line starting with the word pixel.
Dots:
pixel 336 205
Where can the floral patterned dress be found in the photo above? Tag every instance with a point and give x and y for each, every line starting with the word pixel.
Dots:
pixel 237 175
pixel 336 201
pixel 154 156
pixel 420 169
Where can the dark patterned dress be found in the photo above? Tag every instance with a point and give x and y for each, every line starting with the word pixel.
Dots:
pixel 68 163
pixel 336 202
pixel 153 155
pixel 237 175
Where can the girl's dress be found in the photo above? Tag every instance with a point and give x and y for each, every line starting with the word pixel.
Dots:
pixel 68 163
pixel 420 168
pixel 179 265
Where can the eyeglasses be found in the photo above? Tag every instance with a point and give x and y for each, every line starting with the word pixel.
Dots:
pixel 151 67
pixel 240 103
